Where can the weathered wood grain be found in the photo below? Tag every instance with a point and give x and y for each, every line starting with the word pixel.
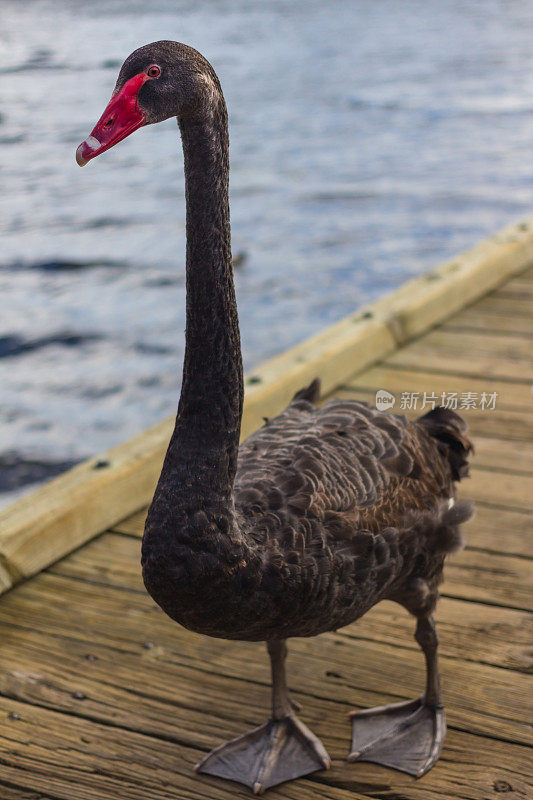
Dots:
pixel 526 275
pixel 513 455
pixel 477 354
pixel 511 395
pixel 489 578
pixel 498 312
pixel 499 530
pixel 473 319
pixel 58 606
pixel 46 751
pixel 134 525
pixel 498 636
pixel 512 306
pixel 10 793
pixel 190 689
pixel 468 631
pixel 503 489
pixel 518 289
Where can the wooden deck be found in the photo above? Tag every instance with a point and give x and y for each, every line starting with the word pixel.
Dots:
pixel 104 698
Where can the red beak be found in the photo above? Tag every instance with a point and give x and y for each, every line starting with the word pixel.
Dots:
pixel 121 117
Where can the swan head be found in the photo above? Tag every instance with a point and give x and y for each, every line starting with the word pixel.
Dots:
pixel 157 81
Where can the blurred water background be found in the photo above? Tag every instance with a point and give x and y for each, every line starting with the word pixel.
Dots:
pixel 370 139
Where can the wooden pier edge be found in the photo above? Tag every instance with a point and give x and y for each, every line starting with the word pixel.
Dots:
pixel 52 521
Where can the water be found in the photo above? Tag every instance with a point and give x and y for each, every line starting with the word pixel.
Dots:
pixel 369 141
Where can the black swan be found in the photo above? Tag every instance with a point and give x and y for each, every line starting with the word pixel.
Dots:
pixel 312 520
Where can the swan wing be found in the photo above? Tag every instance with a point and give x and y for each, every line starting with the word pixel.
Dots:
pixel 345 464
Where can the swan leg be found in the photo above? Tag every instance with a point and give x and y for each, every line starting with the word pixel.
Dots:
pixel 280 750
pixel 407 736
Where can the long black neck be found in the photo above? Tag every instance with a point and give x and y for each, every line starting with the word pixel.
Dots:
pixel 204 445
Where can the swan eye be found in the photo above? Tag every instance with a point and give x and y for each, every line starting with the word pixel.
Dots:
pixel 154 71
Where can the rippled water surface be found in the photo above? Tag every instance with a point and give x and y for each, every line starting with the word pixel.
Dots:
pixel 369 141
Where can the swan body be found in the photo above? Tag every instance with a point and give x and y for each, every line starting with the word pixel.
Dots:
pixel 316 517
pixel 335 509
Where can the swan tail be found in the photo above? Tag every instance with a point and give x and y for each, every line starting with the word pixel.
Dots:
pixel 446 532
pixel 310 393
pixel 449 429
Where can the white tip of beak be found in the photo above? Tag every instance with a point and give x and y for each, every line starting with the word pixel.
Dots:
pixel 90 144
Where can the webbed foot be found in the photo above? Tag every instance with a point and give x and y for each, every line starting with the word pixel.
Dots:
pixel 275 752
pixel 406 736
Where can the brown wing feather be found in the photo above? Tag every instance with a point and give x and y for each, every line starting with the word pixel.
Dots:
pixel 348 506
pixel 336 508
pixel 344 459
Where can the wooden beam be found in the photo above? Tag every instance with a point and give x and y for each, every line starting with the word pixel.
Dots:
pixel 55 519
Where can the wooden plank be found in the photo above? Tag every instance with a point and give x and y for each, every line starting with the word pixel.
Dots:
pixel 208 678
pixel 60 516
pixel 46 751
pixel 527 275
pixel 503 531
pixel 518 289
pixel 43 526
pixel 73 758
pixel 10 793
pixel 133 525
pixel 57 606
pixel 511 395
pixel 503 454
pixel 509 306
pixel 204 682
pixel 501 489
pixel 468 631
pixel 475 354
pixel 500 314
pixel 489 578
pixel 6 579
pixel 500 531
pixel 472 319
pixel 505 427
